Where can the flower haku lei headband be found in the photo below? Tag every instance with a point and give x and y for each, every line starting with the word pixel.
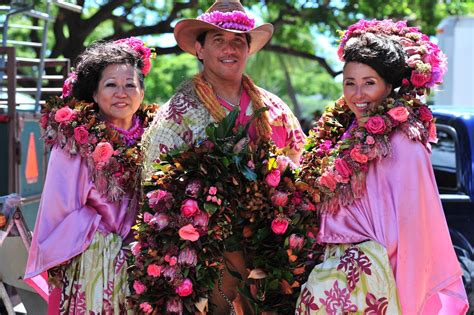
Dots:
pixel 236 20
pixel 134 43
pixel 427 61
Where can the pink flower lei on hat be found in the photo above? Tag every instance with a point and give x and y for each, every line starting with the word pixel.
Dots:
pixel 427 61
pixel 235 20
pixel 135 43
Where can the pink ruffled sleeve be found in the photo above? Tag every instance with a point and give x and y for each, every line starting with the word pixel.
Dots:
pixel 65 223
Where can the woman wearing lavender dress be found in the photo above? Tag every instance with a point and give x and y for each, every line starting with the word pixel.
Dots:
pixel 92 186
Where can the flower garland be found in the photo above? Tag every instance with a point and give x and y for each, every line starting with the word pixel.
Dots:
pixel 113 159
pixel 200 203
pixel 427 61
pixel 208 97
pixel 236 20
pixel 338 153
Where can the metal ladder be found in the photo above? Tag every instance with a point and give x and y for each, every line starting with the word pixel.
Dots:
pixel 14 17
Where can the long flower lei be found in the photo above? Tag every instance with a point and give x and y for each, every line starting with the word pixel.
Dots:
pixel 113 159
pixel 223 194
pixel 338 152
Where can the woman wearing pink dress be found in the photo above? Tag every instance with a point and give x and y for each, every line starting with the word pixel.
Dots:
pixel 388 249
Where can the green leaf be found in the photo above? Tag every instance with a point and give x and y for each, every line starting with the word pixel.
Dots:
pixel 210 208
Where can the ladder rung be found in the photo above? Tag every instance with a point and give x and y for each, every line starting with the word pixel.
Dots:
pixel 68 6
pixel 44 77
pixel 22 43
pixel 38 15
pixel 28 27
pixel 33 90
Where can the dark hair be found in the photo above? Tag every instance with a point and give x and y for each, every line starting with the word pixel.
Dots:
pixel 91 63
pixel 381 53
pixel 202 39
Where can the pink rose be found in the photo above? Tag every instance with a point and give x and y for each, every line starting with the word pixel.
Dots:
pixel 328 180
pixel 279 225
pixel 343 168
pixel 102 152
pixel 273 178
pixel 146 307
pixel 189 233
pixel 399 113
pixel 136 248
pixel 64 114
pixel 425 114
pixel 139 287
pixel 189 208
pixel 201 219
pixel 212 190
pixel 154 270
pixel 279 199
pixel 81 135
pixel 296 242
pixel 357 156
pixel 419 79
pixel 185 288
pixel 369 140
pixel 375 125
pixel 155 196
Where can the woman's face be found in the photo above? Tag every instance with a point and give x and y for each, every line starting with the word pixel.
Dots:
pixel 364 88
pixel 119 94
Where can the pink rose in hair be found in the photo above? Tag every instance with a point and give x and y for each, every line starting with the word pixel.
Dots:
pixel 102 152
pixel 358 156
pixel 139 287
pixel 189 208
pixel 185 288
pixel 189 233
pixel 280 225
pixel 419 79
pixel 81 135
pixel 273 178
pixel 147 216
pixel 154 270
pixel 64 114
pixel 369 140
pixel 375 125
pixel 399 113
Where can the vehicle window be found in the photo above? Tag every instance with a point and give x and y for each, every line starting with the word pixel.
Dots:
pixel 443 158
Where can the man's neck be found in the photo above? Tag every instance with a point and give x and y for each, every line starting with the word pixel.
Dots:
pixel 226 89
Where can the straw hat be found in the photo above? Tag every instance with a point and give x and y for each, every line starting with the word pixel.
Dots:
pixel 226 15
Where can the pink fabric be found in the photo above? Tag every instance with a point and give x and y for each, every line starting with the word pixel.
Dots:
pixel 284 132
pixel 70 212
pixel 402 211
pixel 40 284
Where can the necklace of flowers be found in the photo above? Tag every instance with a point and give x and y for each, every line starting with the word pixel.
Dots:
pixel 338 152
pixel 113 156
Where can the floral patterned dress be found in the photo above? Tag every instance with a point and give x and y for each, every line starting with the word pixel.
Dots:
pixel 353 279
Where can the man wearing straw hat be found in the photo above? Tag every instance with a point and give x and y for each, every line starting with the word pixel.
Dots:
pixel 222 39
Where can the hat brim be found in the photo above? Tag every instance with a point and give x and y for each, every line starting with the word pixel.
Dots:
pixel 186 32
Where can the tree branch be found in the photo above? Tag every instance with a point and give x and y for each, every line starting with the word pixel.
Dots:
pixel 302 54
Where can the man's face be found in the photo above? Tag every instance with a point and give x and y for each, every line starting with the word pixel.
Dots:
pixel 224 55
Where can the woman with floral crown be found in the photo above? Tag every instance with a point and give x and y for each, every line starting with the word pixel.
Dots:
pixel 388 249
pixel 92 187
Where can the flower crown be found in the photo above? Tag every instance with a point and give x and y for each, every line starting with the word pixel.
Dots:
pixel 235 20
pixel 427 61
pixel 136 44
